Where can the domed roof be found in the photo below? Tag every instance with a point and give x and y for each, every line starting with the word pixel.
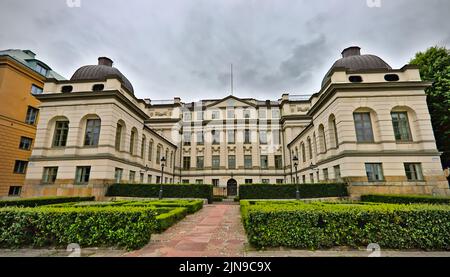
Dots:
pixel 352 60
pixel 100 71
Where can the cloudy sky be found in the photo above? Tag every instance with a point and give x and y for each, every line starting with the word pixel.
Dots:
pixel 184 48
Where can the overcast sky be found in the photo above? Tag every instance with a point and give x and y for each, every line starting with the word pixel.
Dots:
pixel 184 48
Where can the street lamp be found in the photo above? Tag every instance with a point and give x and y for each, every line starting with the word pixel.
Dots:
pixel 163 161
pixel 297 192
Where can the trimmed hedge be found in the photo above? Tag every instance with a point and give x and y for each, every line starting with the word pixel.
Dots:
pixel 169 218
pixel 169 190
pixel 191 206
pixel 321 225
pixel 287 191
pixel 405 199
pixel 40 201
pixel 127 227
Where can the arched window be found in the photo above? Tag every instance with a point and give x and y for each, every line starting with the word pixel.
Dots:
pixel 158 154
pixel 310 148
pixel 119 133
pixel 315 143
pixel 171 159
pixel 303 152
pixel 296 152
pixel 322 142
pixel 166 154
pixel 92 133
pixel 402 116
pixel 363 126
pixel 61 132
pixel 333 131
pixel 150 150
pixel 133 138
pixel 144 142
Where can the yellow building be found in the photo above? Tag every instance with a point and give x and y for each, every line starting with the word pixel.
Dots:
pixel 21 76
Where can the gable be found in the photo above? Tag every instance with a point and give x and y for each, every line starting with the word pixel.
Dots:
pixel 230 101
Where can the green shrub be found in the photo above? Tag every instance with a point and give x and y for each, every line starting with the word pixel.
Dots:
pixel 405 199
pixel 321 225
pixel 40 201
pixel 169 191
pixel 128 227
pixel 287 191
pixel 165 220
pixel 218 198
pixel 191 206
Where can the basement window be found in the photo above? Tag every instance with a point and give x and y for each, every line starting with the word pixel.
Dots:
pixel 66 89
pixel 98 87
pixel 391 77
pixel 355 79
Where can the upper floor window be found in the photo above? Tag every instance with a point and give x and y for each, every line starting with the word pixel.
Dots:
pixel 215 115
pixel 264 162
pixel 363 126
pixel 92 132
pixel 150 150
pixel 262 113
pixel 25 143
pixel 158 154
pixel 263 137
pixel 215 136
pixel 20 167
pixel 144 142
pixel 200 138
pixel 310 148
pixel 246 113
pixel 40 69
pixel 391 77
pixel 278 162
pixel 66 89
pixel 231 162
pixel 187 116
pixel 200 115
pixel 215 162
pixel 36 90
pixel 231 136
pixel 187 138
pixel 98 87
pixel 275 113
pixel 186 163
pixel 276 137
pixel 230 113
pixel 61 132
pixel 248 161
pixel 132 141
pixel 119 128
pixel 82 174
pixel 355 79
pixel 200 162
pixel 401 126
pixel 303 152
pixel 247 136
pixel 31 115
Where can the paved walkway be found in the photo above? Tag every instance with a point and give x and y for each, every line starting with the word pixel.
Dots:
pixel 214 231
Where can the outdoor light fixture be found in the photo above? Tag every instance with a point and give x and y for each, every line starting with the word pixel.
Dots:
pixel 163 163
pixel 297 192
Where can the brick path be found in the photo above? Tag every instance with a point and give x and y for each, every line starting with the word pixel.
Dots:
pixel 214 231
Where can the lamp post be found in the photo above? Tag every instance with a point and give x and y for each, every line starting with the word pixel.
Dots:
pixel 297 192
pixel 163 161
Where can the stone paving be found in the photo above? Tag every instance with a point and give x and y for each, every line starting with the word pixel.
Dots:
pixel 214 231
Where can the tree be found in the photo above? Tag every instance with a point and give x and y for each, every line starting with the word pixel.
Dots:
pixel 434 66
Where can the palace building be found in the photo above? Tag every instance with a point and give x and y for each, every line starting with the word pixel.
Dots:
pixel 368 126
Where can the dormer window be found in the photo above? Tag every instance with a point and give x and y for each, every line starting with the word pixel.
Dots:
pixel 391 77
pixel 41 70
pixel 98 87
pixel 66 89
pixel 355 79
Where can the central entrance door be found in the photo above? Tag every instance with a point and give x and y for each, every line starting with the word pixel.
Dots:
pixel 231 187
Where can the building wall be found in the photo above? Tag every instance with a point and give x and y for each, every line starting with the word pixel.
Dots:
pixel 15 95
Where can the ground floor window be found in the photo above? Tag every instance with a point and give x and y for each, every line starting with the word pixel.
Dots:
pixel 199 181
pixel 185 181
pixel 337 172
pixel 374 172
pixel 132 176
pixel 158 179
pixel 149 179
pixel 280 181
pixel 248 181
pixel 215 182
pixel 265 181
pixel 304 179
pixel 414 171
pixel 15 190
pixel 325 174
pixel 311 178
pixel 82 174
pixel 141 178
pixel 49 175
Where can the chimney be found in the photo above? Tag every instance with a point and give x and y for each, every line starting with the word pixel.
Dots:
pixel 105 61
pixel 351 51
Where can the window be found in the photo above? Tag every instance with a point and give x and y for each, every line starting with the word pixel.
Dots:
pixel 119 128
pixel 199 181
pixel 61 132
pixel 413 171
pixel 391 77
pixel 66 89
pixel 337 172
pixel 278 162
pixel 311 178
pixel 279 181
pixel 200 162
pixel 92 132
pixel 215 182
pixel 215 136
pixel 322 141
pixel 166 180
pixel 264 162
pixel 262 113
pixel 302 146
pixel 41 70
pixel 276 137
pixel 248 181
pixel 36 90
pixel 215 115
pixel 333 132
pixel 325 174
pixel 401 126
pixel 98 87
pixel 14 190
pixel 186 163
pixel 231 136
pixel 246 113
pixel 247 136
pixel 149 179
pixel 363 126
pixel 144 142
pixel 304 179
pixel 310 148
pixel 199 115
pixel 262 137
pixel 150 150
pixel 158 179
pixel 215 162
pixel 187 138
pixel 248 162
pixel 25 143
pixel 231 162
pixel 31 115
pixel 118 175
pixel 200 138
pixel 275 113
pixel 82 174
pixel 20 167
pixel 49 175
pixel 141 178
pixel 265 181
pixel 230 113
pixel 374 172
pixel 187 116
pixel 132 176
pixel 158 154
pixel 355 79
pixel 132 141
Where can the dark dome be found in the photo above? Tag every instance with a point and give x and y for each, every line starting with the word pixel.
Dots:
pixel 101 71
pixel 352 60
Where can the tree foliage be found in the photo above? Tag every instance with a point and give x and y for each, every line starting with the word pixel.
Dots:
pixel 434 66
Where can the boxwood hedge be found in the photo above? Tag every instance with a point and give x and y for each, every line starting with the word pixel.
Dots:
pixel 287 191
pixel 169 190
pixel 127 227
pixel 165 220
pixel 321 225
pixel 405 199
pixel 39 201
